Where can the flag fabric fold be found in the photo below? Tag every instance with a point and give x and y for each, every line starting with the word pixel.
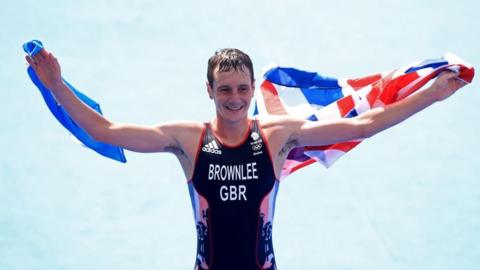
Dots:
pixel 114 152
pixel 316 97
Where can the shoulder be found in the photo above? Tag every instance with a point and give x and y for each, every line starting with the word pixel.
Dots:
pixel 181 126
pixel 279 129
pixel 183 132
pixel 184 136
pixel 280 122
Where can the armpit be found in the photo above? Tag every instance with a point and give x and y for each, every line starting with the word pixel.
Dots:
pixel 174 150
pixel 288 147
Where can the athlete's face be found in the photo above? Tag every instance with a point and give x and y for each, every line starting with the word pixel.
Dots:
pixel 232 92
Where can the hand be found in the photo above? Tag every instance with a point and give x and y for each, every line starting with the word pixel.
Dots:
pixel 446 84
pixel 47 68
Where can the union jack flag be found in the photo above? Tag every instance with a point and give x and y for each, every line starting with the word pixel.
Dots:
pixel 316 97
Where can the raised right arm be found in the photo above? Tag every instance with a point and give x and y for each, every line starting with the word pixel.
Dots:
pixel 155 138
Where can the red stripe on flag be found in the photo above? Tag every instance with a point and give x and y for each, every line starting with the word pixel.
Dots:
pixel 467 74
pixel 416 86
pixel 345 105
pixel 343 146
pixel 301 165
pixel 372 96
pixel 392 87
pixel 362 82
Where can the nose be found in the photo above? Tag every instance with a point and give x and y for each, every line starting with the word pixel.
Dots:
pixel 235 95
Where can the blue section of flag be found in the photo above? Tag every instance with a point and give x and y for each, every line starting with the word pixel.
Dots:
pixel 312 118
pixel 107 150
pixel 255 109
pixel 317 89
pixel 433 63
pixel 292 77
pixel 321 96
pixel 33 47
pixel 351 114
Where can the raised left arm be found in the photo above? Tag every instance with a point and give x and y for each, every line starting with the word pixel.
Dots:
pixel 373 121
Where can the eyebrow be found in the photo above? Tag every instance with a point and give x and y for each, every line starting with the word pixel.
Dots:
pixel 228 86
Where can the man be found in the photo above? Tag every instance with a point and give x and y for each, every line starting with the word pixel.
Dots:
pixel 233 163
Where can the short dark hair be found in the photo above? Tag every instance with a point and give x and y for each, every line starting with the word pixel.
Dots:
pixel 228 59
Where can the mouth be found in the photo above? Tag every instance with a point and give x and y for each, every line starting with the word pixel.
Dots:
pixel 234 107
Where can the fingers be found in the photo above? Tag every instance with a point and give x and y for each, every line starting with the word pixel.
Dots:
pixel 452 80
pixel 43 53
pixel 55 60
pixel 30 61
pixel 41 58
pixel 452 76
pixel 448 74
pixel 461 82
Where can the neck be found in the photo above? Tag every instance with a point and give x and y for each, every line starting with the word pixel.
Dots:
pixel 230 132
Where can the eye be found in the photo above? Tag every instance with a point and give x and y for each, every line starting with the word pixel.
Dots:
pixel 223 89
pixel 244 88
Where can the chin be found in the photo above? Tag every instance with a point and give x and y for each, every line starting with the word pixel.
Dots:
pixel 235 116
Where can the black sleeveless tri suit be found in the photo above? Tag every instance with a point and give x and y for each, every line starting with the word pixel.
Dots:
pixel 233 192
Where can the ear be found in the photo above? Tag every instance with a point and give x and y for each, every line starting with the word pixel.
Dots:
pixel 209 89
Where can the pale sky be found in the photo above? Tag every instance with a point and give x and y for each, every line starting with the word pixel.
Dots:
pixel 407 198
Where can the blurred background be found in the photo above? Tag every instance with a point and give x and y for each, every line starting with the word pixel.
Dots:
pixel 408 198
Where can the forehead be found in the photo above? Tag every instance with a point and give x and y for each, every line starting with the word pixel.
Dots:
pixel 231 77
